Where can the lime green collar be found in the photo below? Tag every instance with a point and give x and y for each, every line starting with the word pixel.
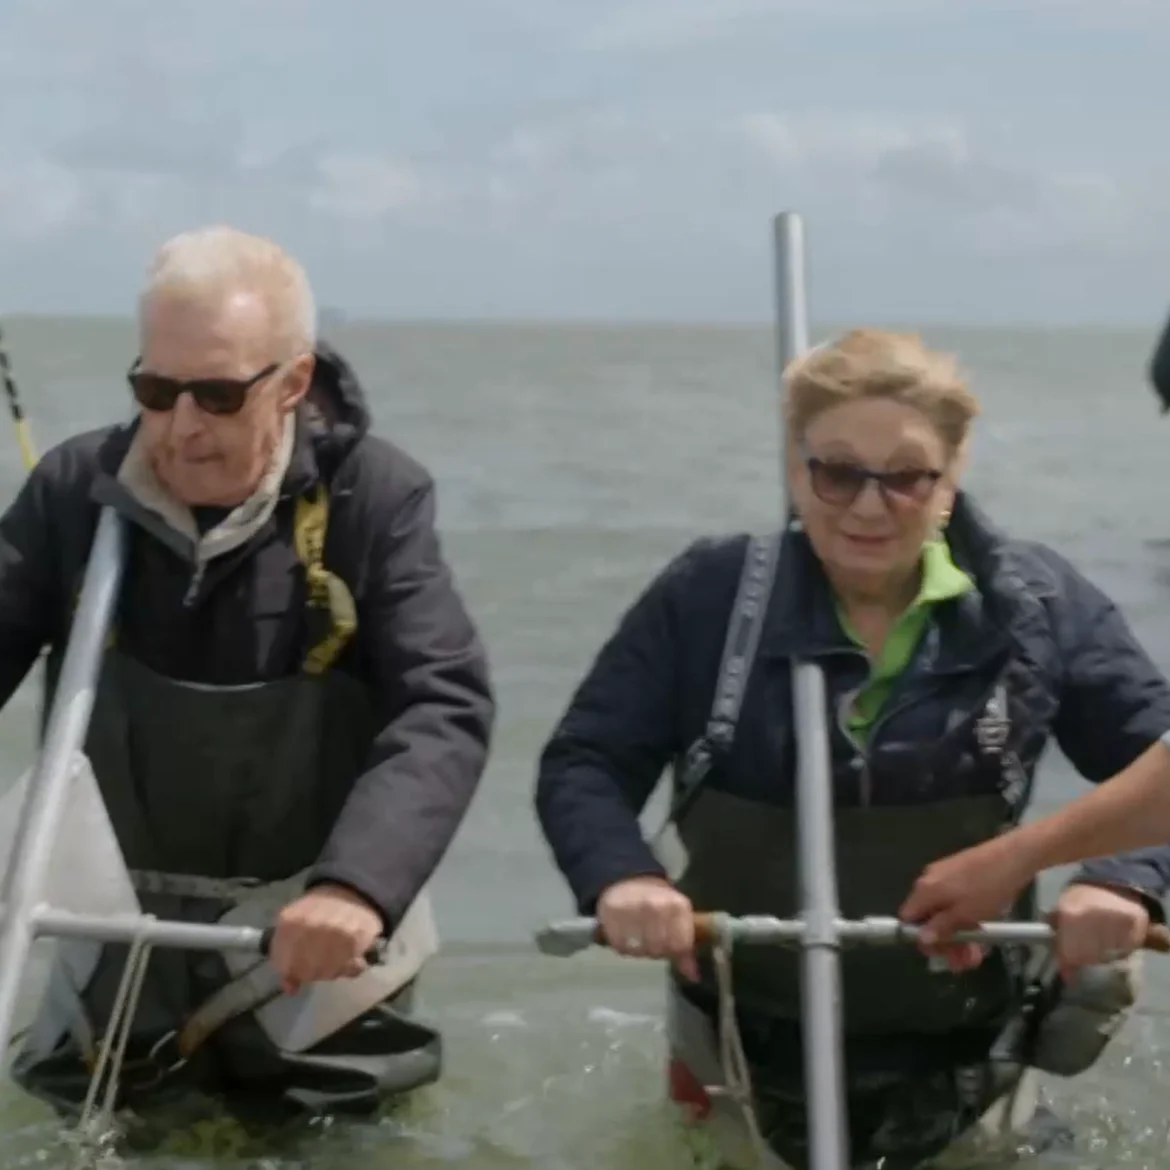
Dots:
pixel 942 580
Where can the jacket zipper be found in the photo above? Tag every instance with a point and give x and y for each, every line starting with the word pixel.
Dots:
pixel 879 723
pixel 195 582
pixel 864 780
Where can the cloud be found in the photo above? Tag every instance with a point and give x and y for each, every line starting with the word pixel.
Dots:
pixel 567 154
pixel 616 180
pixel 367 187
pixel 660 27
pixel 649 173
pixel 37 198
pixel 920 168
pixel 76 41
pixel 663 26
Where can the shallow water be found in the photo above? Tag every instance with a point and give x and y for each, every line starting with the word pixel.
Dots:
pixel 572 463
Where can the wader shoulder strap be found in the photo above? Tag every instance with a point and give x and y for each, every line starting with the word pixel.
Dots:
pixel 739 654
pixel 328 593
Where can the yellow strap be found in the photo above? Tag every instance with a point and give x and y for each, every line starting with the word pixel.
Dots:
pixel 24 438
pixel 326 590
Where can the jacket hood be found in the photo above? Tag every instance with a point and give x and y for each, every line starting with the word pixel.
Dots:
pixel 336 415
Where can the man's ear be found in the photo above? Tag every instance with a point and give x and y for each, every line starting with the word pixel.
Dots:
pixel 297 381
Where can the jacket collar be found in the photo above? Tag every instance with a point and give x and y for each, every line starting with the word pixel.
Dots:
pixel 802 620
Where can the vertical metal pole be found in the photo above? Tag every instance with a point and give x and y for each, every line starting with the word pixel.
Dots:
pixel 48 788
pixel 824 1074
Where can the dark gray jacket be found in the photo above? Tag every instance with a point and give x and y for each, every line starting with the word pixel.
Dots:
pixel 244 620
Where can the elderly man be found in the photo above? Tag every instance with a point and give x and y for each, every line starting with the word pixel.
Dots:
pixel 294 710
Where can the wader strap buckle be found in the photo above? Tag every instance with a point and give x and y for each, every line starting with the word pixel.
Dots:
pixel 259 985
pixel 993 733
pixel 160 1063
pixel 173 1051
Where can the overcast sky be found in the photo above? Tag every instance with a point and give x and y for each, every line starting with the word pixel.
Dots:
pixel 960 160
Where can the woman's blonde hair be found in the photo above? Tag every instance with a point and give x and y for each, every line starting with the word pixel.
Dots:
pixel 874 363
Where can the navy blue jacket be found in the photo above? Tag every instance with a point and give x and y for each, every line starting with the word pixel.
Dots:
pixel 648 695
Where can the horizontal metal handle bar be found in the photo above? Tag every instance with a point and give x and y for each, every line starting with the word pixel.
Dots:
pixel 188 936
pixel 576 934
pixel 192 936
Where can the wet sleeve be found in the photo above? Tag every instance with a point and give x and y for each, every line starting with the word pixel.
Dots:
pixel 611 746
pixel 30 586
pixel 429 673
pixel 1114 704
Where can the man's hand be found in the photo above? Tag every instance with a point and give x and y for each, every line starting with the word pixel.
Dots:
pixel 1097 925
pixel 323 935
pixel 963 890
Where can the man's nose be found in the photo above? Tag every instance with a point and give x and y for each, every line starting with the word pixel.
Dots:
pixel 186 418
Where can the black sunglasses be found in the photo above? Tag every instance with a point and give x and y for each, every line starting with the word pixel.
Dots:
pixel 839 483
pixel 214 395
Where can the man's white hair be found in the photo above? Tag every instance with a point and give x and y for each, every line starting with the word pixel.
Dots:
pixel 218 261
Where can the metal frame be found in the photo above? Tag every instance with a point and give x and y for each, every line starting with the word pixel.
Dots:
pixel 48 788
pixel 25 917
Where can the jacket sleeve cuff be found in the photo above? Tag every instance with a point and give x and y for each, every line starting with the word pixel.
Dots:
pixel 1150 900
pixel 592 885
pixel 327 877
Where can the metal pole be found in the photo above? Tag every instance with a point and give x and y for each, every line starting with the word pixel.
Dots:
pixel 191 936
pixel 65 736
pixel 824 1073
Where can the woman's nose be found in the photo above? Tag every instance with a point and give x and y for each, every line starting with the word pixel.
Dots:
pixel 869 501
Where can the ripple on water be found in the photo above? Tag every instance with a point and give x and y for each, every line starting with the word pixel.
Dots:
pixel 539 1084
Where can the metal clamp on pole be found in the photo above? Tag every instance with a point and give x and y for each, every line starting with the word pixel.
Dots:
pixel 48 789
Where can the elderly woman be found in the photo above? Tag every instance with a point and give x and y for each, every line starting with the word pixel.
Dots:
pixel 952 655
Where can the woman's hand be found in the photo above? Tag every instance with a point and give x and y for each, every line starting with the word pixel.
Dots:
pixel 648 918
pixel 1097 925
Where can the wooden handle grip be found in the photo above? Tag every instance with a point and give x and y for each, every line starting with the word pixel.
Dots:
pixel 1158 939
pixel 706 931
